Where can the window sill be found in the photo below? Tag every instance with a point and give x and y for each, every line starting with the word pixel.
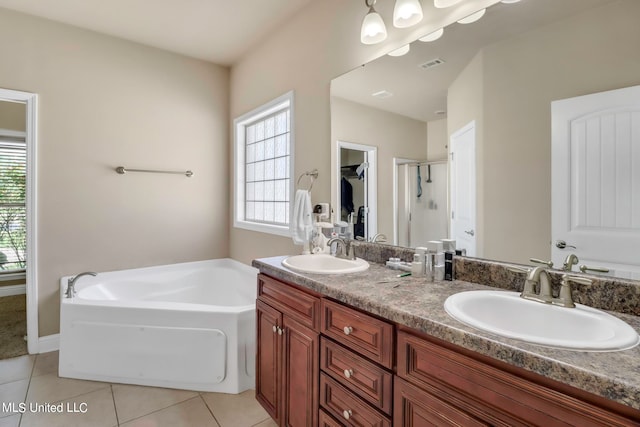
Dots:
pixel 263 228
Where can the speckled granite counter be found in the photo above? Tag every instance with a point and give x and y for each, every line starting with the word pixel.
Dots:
pixel 418 304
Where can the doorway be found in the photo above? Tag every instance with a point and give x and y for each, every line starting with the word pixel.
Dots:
pixel 357 188
pixel 462 164
pixel 18 290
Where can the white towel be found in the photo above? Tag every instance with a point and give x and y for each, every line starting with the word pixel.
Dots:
pixel 302 221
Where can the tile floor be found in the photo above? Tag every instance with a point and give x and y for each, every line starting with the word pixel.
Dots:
pixel 33 379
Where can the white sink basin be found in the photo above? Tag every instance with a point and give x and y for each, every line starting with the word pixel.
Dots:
pixel 505 313
pixel 324 264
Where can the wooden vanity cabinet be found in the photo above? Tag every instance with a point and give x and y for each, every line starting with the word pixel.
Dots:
pixel 454 383
pixel 287 371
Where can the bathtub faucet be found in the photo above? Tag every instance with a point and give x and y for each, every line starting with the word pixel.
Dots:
pixel 71 283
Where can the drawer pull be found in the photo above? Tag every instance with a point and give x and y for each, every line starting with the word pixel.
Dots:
pixel 347 414
pixel 348 373
pixel 275 329
pixel 280 331
pixel 347 330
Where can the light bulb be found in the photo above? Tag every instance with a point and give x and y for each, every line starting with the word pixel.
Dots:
pixel 400 51
pixel 431 37
pixel 441 4
pixel 373 29
pixel 406 13
pixel 473 17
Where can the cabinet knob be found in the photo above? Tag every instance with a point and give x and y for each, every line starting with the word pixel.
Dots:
pixel 348 373
pixel 347 414
pixel 347 330
pixel 275 329
pixel 280 330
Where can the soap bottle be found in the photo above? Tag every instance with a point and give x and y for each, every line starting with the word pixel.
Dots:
pixel 416 265
pixel 436 260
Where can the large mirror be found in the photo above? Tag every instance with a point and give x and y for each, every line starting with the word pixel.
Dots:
pixel 493 81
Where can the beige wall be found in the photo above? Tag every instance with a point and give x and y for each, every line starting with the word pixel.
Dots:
pixel 438 140
pixel 316 45
pixel 392 134
pixel 105 102
pixel 591 52
pixel 465 103
pixel 13 116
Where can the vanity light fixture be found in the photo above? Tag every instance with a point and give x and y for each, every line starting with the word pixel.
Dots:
pixel 431 37
pixel 473 17
pixel 406 13
pixel 400 51
pixel 441 4
pixel 373 29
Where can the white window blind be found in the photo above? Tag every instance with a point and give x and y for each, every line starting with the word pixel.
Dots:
pixel 13 230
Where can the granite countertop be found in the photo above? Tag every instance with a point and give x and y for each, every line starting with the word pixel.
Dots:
pixel 419 304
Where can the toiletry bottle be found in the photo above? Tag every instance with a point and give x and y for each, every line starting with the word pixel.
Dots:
pixel 422 251
pixel 416 265
pixel 449 266
pixel 436 250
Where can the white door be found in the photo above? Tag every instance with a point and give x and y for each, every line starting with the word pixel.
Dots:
pixel 596 180
pixel 462 157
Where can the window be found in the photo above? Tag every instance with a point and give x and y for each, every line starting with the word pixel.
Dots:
pixel 13 229
pixel 263 160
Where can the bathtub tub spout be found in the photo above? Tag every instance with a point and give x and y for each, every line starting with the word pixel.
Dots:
pixel 71 283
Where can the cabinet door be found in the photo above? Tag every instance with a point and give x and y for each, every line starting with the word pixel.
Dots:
pixel 301 368
pixel 417 408
pixel 269 359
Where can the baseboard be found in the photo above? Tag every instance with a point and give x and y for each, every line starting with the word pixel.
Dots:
pixel 7 291
pixel 49 343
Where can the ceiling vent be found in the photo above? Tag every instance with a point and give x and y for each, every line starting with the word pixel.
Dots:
pixel 431 63
pixel 382 94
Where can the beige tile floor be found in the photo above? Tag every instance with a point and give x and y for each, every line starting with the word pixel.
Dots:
pixel 33 379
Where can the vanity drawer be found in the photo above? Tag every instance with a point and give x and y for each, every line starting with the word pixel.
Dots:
pixel 347 407
pixel 490 393
pixel 366 379
pixel 326 420
pixel 417 408
pixel 296 303
pixel 371 337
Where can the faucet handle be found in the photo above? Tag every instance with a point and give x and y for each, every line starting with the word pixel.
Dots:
pixel 519 269
pixel 565 299
pixel 539 261
pixel 585 268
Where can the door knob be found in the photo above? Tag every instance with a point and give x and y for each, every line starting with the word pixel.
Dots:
pixel 470 232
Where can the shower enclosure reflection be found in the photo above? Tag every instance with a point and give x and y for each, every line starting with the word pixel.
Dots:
pixel 421 202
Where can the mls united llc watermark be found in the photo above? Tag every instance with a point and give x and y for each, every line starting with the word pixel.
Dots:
pixel 32 407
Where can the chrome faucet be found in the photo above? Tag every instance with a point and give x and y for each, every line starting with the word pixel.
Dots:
pixel 379 237
pixel 569 262
pixel 565 299
pixel 343 248
pixel 537 285
pixel 71 291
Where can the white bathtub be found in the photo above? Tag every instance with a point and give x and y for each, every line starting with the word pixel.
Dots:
pixel 188 326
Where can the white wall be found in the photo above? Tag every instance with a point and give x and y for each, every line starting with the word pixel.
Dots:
pixel 105 102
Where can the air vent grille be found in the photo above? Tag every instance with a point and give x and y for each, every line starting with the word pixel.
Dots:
pixel 431 63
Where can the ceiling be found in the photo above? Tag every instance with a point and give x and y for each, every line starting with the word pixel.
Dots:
pixel 219 31
pixel 420 93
